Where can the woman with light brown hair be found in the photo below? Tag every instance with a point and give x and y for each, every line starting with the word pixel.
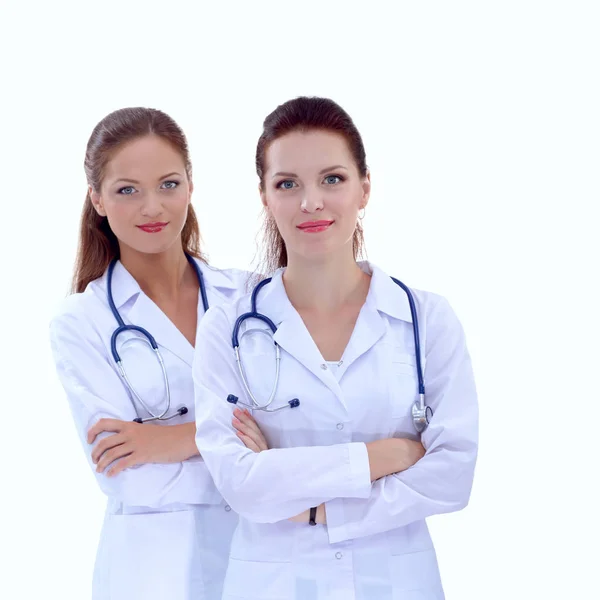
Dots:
pixel 363 388
pixel 123 343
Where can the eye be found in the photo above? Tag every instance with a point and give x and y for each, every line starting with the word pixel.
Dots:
pixel 287 184
pixel 126 191
pixel 333 179
pixel 170 185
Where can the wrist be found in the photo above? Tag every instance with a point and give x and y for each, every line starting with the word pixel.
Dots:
pixel 385 457
pixel 187 437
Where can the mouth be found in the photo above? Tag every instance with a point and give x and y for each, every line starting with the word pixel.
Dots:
pixel 314 226
pixel 152 227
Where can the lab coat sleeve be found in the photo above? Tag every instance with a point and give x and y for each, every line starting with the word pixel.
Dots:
pixel 95 391
pixel 441 481
pixel 275 484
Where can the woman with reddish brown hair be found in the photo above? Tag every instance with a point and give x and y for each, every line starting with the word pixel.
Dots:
pixel 140 269
pixel 363 389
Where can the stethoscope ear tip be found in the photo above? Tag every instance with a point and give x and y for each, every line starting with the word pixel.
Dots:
pixel 232 399
pixel 294 403
pixel 183 411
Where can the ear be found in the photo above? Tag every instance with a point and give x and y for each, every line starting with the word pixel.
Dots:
pixel 366 186
pixel 96 201
pixel 191 191
pixel 263 196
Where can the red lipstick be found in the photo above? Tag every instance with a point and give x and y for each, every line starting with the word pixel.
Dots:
pixel 152 227
pixel 314 226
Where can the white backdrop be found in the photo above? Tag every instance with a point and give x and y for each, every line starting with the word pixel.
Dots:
pixel 481 123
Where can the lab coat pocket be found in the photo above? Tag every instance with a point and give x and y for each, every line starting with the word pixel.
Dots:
pixel 416 576
pixel 152 555
pixel 403 382
pixel 253 580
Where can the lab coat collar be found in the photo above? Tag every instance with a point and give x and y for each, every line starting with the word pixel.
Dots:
pixel 221 282
pixel 125 287
pixel 385 295
pixel 136 308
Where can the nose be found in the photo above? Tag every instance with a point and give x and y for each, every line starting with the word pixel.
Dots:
pixel 312 201
pixel 152 206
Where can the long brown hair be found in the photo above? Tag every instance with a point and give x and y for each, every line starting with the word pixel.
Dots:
pixel 98 245
pixel 305 114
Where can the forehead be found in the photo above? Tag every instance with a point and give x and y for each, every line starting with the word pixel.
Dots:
pixel 308 151
pixel 144 158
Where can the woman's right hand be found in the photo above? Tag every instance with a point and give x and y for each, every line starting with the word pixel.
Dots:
pixel 393 455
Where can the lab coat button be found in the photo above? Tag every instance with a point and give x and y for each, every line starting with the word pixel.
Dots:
pixel 324 367
pixel 338 555
pixel 340 426
pixel 227 508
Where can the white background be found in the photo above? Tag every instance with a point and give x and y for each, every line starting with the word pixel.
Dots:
pixel 481 123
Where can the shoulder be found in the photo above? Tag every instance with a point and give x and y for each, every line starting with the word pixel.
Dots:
pixel 231 283
pixel 220 319
pixel 77 311
pixel 434 311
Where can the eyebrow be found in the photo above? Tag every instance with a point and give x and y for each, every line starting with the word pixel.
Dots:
pixel 137 182
pixel 321 172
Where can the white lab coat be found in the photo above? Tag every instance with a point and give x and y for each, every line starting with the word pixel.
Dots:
pixel 376 545
pixel 167 530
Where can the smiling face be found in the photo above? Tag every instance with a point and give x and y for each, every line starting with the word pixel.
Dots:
pixel 145 195
pixel 314 191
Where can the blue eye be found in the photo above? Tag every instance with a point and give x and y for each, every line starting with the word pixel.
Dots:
pixel 126 191
pixel 288 184
pixel 170 185
pixel 333 179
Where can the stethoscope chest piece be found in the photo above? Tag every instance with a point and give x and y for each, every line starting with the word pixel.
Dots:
pixel 421 415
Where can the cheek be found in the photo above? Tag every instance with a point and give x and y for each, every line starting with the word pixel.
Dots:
pixel 120 212
pixel 282 211
pixel 345 204
pixel 177 205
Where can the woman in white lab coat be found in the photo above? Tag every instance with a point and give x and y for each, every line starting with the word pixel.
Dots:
pixel 167 530
pixel 349 449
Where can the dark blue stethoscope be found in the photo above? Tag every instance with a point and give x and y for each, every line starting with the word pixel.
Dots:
pixel 421 413
pixel 148 339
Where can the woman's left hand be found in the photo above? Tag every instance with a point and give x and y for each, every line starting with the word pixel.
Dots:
pixel 249 431
pixel 140 443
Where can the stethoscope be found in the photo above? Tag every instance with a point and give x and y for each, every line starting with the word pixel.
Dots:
pixel 421 413
pixel 148 339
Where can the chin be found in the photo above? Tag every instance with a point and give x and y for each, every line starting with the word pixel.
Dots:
pixel 153 246
pixel 315 251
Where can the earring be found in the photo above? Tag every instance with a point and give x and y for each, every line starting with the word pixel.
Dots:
pixel 361 217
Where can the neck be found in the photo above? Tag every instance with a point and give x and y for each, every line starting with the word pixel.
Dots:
pixel 161 275
pixel 325 284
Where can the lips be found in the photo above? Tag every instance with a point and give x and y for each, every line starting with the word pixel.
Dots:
pixel 152 227
pixel 314 226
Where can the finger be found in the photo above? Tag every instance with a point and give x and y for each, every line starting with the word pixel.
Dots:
pixel 257 440
pixel 255 432
pixel 248 442
pixel 244 428
pixel 113 425
pixel 111 455
pixel 246 418
pixel 106 444
pixel 259 437
pixel 124 463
